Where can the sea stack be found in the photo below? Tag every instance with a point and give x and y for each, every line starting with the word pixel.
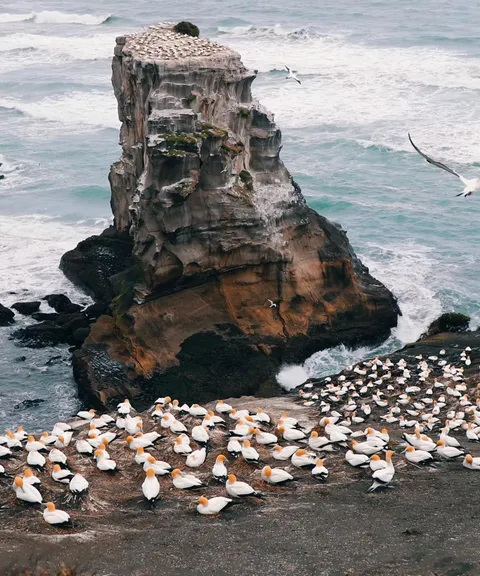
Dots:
pixel 209 226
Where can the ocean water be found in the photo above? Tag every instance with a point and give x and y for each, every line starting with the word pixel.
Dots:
pixel 369 74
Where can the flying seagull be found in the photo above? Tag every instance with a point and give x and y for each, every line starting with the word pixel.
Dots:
pixel 272 304
pixel 291 75
pixel 471 184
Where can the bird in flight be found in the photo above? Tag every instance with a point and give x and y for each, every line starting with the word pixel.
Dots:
pixel 471 184
pixel 291 75
pixel 272 304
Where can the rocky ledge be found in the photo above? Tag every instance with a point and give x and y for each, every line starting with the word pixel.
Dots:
pixel 217 269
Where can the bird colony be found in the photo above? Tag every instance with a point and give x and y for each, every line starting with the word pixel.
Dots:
pixel 161 42
pixel 230 455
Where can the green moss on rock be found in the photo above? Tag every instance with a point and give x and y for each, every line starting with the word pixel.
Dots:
pixel 449 322
pixel 187 28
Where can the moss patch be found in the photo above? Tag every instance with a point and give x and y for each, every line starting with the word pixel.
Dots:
pixel 244 112
pixel 246 179
pixel 187 28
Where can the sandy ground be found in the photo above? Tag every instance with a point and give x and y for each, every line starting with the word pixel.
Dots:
pixel 426 524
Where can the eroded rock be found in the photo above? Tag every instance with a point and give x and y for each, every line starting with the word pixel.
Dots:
pixel 26 308
pixel 6 316
pixel 216 227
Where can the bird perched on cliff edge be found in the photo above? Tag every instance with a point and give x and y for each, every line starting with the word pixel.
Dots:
pixel 471 184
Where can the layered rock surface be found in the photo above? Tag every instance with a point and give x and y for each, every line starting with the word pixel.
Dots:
pixel 218 227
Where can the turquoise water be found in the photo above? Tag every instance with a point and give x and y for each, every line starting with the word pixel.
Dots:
pixel 368 75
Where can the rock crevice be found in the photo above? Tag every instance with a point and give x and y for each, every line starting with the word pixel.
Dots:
pixel 217 227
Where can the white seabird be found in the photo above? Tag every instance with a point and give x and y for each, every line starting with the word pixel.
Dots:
pixel 471 185
pixel 291 75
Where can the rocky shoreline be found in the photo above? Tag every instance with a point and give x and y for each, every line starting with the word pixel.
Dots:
pixel 412 528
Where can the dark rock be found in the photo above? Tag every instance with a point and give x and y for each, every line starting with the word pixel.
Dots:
pixel 94 262
pixel 449 322
pixel 40 335
pixel 72 321
pixel 27 308
pixel 53 360
pixel 96 310
pixel 80 335
pixel 62 304
pixel 6 316
pixel 20 359
pixel 28 404
pixel 45 316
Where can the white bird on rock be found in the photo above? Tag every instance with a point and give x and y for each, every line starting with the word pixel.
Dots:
pixel 54 516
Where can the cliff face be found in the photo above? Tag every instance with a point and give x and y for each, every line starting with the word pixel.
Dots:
pixel 218 228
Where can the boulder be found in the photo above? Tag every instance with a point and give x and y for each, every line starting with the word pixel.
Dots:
pixel 6 316
pixel 62 304
pixel 449 322
pixel 26 308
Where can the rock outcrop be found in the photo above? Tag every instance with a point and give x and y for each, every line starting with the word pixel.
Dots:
pixel 218 228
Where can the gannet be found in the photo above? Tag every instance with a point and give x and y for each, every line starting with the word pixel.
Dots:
pixel 157 411
pixel 213 505
pixel 180 446
pixel 264 438
pixel 319 472
pixel 104 464
pixel 234 447
pixel 238 414
pixel 29 477
pixel 83 447
pixel 150 486
pixel 167 420
pixel 48 439
pixel 471 463
pixel 138 442
pixel 249 453
pixel 33 445
pixel 163 401
pixel 291 75
pixel 222 407
pixel 471 185
pixel 198 411
pixel 448 452
pixel 196 458
pixel 303 459
pixel 36 459
pixel 238 489
pixel 276 475
pixel 61 475
pixel 283 453
pixel 212 418
pixel 55 456
pixel 54 516
pixel 366 448
pixel 383 476
pixel 123 408
pixel 20 434
pixel 219 470
pixel 78 485
pixel 5 452
pixel 200 435
pixel 272 303
pixel 376 463
pixel 26 492
pixel 291 434
pixel 185 481
pixel 63 440
pixel 417 456
pixel 357 460
pixel 261 416
pixel 159 466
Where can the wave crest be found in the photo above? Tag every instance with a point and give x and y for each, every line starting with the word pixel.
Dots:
pixel 54 17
